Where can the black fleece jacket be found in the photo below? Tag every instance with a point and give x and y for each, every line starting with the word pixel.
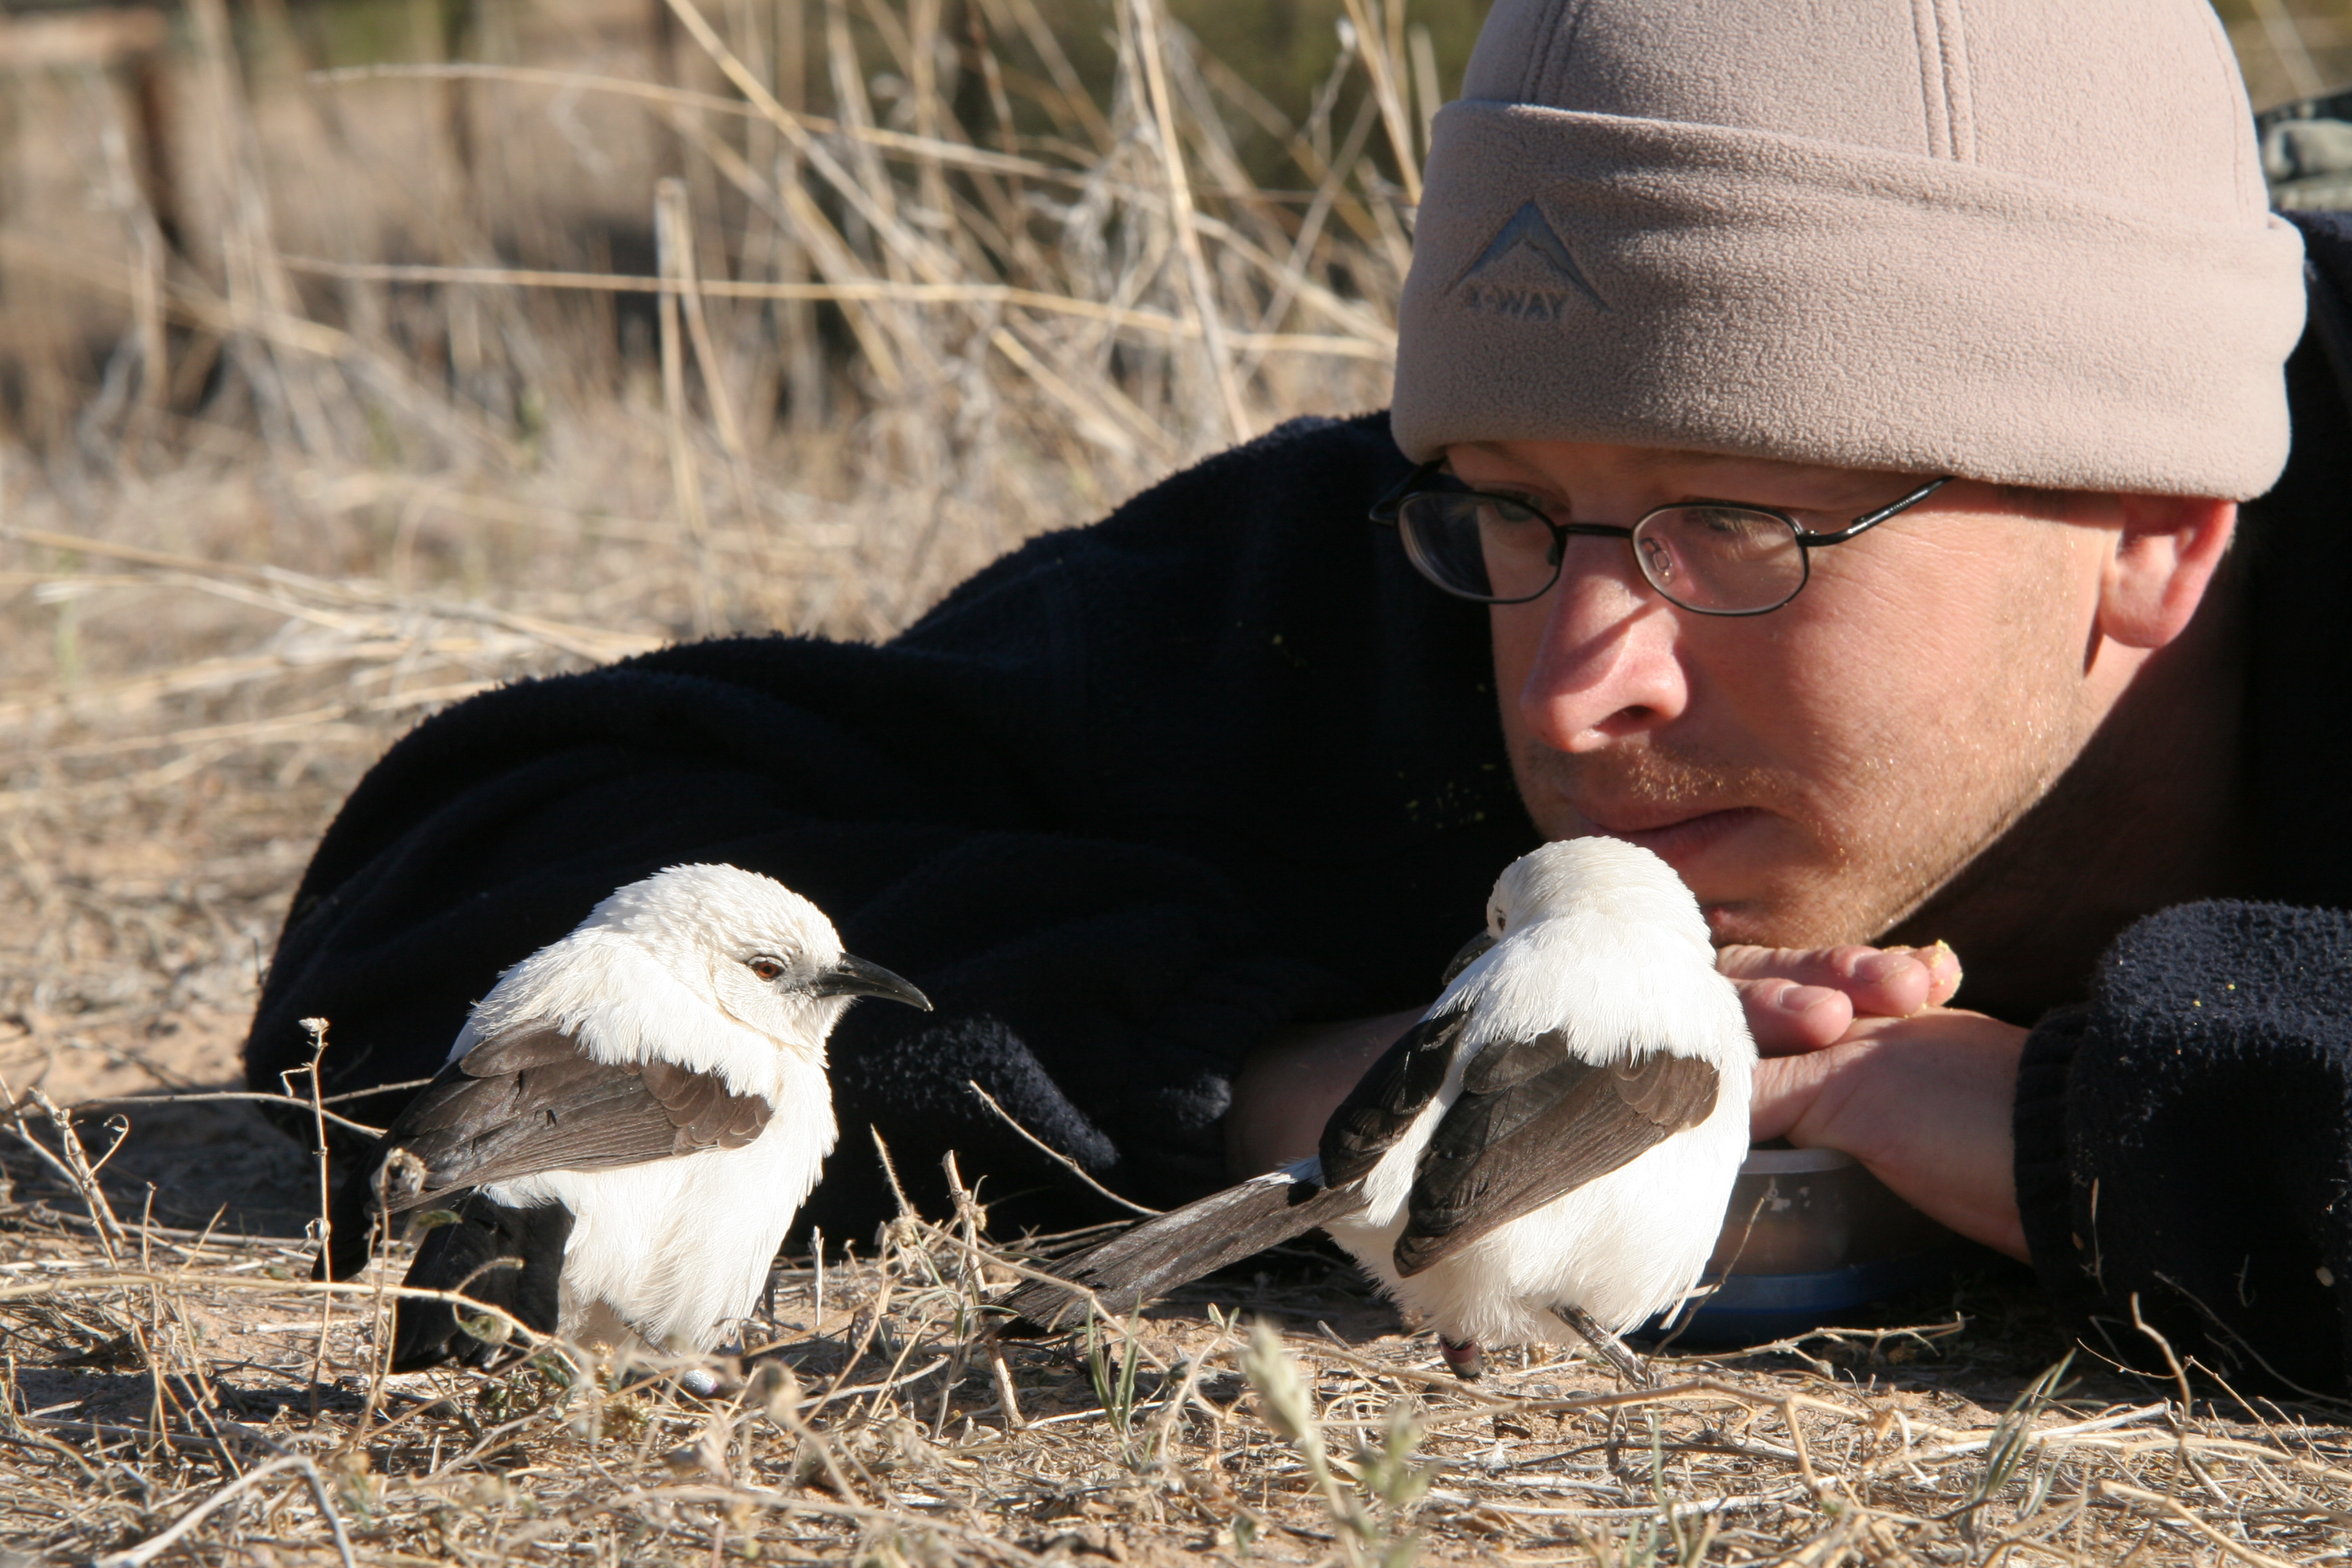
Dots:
pixel 1140 793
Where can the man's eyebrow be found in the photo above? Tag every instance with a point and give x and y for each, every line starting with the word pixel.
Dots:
pixel 1693 454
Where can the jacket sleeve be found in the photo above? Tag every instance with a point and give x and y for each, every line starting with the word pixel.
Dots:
pixel 2184 1146
pixel 1016 803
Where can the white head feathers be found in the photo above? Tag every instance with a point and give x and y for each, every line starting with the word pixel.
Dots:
pixel 1607 936
pixel 651 963
pixel 747 943
pixel 1607 877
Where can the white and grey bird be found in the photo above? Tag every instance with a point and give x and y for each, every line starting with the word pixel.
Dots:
pixel 634 1111
pixel 1554 1142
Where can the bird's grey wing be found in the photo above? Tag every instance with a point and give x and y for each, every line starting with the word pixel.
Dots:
pixel 706 1113
pixel 1394 1090
pixel 530 1099
pixel 1535 1120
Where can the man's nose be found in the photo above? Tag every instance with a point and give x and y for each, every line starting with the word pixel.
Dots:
pixel 1610 664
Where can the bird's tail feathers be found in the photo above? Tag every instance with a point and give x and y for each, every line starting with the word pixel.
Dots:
pixel 1154 1257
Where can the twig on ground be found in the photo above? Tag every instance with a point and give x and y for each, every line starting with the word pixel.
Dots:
pixel 1057 1156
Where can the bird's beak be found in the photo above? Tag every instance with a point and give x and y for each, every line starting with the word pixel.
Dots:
pixel 855 977
pixel 1472 952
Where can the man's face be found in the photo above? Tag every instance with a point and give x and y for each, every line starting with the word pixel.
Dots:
pixel 1816 773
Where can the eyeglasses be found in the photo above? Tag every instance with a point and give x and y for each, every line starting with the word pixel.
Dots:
pixel 1718 558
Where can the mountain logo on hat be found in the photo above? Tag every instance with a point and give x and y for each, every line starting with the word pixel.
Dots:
pixel 1497 284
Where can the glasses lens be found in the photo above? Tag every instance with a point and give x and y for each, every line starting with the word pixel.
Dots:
pixel 1725 560
pixel 1478 546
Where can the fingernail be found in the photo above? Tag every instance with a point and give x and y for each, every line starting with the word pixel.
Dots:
pixel 1880 967
pixel 1803 999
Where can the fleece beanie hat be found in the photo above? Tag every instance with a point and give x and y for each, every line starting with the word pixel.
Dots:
pixel 2024 241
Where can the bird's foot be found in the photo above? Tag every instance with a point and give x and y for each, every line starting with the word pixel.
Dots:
pixel 1609 1347
pixel 1464 1360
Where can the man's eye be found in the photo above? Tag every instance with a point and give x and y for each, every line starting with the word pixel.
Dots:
pixel 766 968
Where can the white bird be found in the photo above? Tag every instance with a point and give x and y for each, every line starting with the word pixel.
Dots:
pixel 636 1111
pixel 1555 1140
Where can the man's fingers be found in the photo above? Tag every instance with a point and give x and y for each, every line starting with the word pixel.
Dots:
pixel 1786 1017
pixel 1889 982
pixel 1943 967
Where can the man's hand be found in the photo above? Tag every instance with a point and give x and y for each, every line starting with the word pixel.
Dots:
pixel 1800 1000
pixel 1862 1056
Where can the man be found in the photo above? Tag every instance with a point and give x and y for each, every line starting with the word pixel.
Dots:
pixel 1831 425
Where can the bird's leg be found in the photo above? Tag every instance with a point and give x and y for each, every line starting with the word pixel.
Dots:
pixel 1465 1360
pixel 1609 1347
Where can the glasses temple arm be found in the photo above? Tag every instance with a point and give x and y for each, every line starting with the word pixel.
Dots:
pixel 1872 520
pixel 1385 510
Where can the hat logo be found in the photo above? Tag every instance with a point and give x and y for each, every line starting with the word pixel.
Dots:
pixel 1544 299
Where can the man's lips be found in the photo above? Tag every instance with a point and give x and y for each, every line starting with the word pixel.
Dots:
pixel 1675 840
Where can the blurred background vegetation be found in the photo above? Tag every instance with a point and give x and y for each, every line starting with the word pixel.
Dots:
pixel 2290 48
pixel 144 130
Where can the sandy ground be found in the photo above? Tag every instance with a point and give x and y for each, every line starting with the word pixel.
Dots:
pixel 130 952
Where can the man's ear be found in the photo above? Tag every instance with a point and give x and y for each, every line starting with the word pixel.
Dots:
pixel 2164 560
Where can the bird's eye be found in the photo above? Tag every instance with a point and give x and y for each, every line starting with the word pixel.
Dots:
pixel 765 968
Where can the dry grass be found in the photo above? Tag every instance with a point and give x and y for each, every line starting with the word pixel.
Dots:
pixel 174 1389
pixel 421 380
